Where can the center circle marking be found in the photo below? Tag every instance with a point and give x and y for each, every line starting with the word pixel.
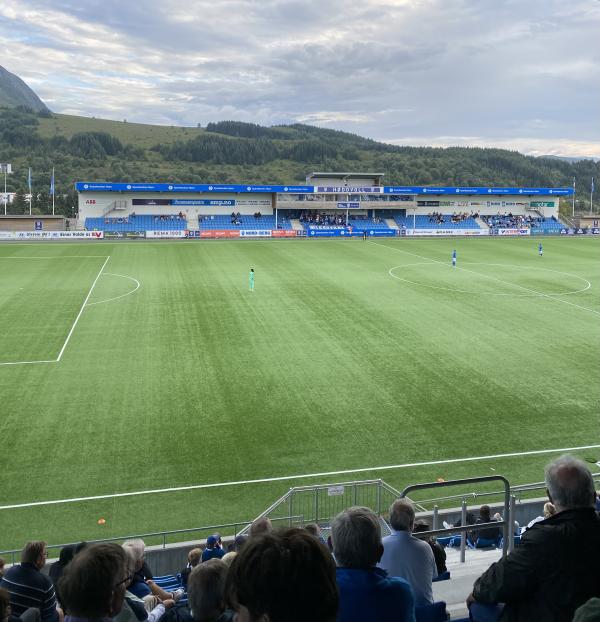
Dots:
pixel 503 265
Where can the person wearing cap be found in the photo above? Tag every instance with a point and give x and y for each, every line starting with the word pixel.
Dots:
pixel 212 551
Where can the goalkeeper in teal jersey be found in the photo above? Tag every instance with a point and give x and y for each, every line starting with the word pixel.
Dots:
pixel 251 280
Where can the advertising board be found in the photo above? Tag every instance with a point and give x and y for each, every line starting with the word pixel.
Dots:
pixel 165 234
pixel 513 231
pixel 446 232
pixel 255 233
pixel 54 235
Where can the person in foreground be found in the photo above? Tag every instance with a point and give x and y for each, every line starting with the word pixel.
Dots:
pixel 406 556
pixel 555 568
pixel 29 587
pixel 285 576
pixel 367 594
pixel 93 584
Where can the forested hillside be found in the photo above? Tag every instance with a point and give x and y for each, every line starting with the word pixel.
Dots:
pixel 230 151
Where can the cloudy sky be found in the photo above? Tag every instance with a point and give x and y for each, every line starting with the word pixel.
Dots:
pixel 518 74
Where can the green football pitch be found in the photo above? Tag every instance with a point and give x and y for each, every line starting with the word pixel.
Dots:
pixel 130 367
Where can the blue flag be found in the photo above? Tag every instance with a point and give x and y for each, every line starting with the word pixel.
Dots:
pixel 52 184
pixel 592 184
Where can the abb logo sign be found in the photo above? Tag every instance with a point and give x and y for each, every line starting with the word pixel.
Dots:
pixel 90 202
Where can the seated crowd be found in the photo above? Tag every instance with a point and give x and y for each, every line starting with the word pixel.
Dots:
pixel 516 221
pixel 293 575
pixel 322 219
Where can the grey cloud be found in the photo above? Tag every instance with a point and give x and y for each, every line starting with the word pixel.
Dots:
pixel 501 69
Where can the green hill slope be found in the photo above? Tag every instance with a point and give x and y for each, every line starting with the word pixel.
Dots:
pixel 83 148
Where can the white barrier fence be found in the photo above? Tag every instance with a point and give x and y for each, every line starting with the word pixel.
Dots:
pixel 51 235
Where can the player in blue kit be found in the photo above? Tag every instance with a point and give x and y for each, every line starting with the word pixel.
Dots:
pixel 540 249
pixel 454 258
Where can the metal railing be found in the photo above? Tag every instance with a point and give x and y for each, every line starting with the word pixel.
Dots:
pixel 506 523
pixel 225 529
pixel 320 503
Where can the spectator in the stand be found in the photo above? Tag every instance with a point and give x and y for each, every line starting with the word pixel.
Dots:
pixel 229 557
pixel 439 553
pixel 149 609
pixel 260 526
pixel 555 569
pixel 2 562
pixel 57 568
pixel 489 534
pixel 212 549
pixel 194 558
pixel 367 594
pixel 285 576
pixel 406 556
pixel 140 586
pixel 4 605
pixel 93 584
pixel 549 510
pixel 29 587
pixel 237 544
pixel 206 592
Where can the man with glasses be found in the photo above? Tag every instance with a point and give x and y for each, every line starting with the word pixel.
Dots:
pixel 93 584
pixel 28 587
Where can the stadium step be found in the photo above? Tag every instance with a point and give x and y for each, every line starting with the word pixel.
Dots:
pixel 296 224
pixel 481 223
pixel 391 223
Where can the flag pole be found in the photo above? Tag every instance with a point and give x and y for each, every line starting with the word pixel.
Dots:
pixel 30 193
pixel 53 191
pixel 573 197
pixel 592 197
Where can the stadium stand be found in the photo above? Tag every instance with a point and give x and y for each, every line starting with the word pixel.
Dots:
pixel 243 221
pixel 363 223
pixel 548 579
pixel 427 222
pixel 510 221
pixel 168 222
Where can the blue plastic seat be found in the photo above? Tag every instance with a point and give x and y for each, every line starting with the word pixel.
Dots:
pixel 431 613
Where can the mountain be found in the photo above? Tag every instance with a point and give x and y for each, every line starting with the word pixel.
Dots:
pixel 14 92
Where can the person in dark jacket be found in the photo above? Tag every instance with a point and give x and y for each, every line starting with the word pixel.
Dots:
pixel 555 569
pixel 57 568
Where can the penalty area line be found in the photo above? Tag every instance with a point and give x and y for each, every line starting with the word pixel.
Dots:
pixel 265 480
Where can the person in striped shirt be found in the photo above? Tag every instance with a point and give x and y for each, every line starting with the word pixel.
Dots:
pixel 28 587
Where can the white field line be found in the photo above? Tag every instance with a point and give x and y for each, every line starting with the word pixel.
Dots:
pixel 53 257
pixel 527 289
pixel 265 480
pixel 56 360
pixel 124 276
pixel 81 311
pixel 27 362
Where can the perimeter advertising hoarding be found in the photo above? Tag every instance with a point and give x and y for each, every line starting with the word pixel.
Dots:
pixel 375 233
pixel 283 233
pixel 255 233
pixel 124 235
pixel 581 231
pixel 165 234
pixel 513 231
pixel 446 232
pixel 216 233
pixel 53 235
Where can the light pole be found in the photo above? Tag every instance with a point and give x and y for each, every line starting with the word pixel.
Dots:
pixel 6 169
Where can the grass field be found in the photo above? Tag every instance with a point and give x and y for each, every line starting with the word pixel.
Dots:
pixel 165 371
